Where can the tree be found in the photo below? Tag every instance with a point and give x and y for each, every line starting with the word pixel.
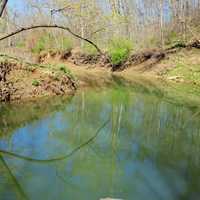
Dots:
pixel 3 4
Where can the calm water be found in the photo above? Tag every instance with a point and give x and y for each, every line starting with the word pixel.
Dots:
pixel 115 143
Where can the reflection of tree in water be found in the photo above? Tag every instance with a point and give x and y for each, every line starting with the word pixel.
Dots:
pixel 146 133
pixel 18 115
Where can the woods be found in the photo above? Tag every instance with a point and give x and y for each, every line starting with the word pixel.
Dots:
pixel 150 23
pixel 112 34
pixel 99 99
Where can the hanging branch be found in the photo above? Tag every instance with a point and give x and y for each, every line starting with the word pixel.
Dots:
pixel 52 26
pixel 3 6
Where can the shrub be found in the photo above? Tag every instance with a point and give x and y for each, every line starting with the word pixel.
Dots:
pixel 173 38
pixel 119 50
pixel 35 83
pixel 62 68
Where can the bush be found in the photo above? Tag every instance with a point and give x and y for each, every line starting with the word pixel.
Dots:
pixel 173 38
pixel 35 83
pixel 119 50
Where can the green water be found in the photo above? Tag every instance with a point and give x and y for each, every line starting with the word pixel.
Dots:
pixel 113 143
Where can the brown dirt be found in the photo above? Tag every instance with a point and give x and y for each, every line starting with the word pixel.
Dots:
pixel 21 83
pixel 143 61
pixel 16 80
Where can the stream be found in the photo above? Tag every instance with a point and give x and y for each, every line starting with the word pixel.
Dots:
pixel 117 143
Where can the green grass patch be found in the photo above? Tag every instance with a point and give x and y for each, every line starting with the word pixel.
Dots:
pixel 188 72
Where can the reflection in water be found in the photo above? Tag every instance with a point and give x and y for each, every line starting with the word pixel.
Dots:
pixel 115 143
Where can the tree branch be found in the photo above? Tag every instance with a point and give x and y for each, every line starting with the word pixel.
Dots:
pixel 52 26
pixel 3 6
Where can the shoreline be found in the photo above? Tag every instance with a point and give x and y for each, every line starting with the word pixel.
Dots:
pixel 57 77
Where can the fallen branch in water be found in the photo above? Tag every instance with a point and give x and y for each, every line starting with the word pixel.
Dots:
pixel 58 158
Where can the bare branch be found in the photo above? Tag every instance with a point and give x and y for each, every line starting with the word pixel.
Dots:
pixel 54 11
pixel 51 26
pixel 3 6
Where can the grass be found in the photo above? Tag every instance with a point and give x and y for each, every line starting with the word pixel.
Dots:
pixel 191 72
pixel 186 66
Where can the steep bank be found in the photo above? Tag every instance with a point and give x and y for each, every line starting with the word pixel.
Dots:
pixel 61 74
pixel 23 81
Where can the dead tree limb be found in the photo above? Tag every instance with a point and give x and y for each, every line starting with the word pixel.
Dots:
pixel 3 6
pixel 52 26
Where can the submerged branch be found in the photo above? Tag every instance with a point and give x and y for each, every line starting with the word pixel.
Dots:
pixel 51 26
pixel 58 158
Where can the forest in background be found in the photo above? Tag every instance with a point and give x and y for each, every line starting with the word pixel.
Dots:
pixel 138 24
pixel 54 37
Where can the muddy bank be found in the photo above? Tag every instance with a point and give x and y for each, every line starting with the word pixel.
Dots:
pixel 23 81
pixel 19 81
pixel 145 59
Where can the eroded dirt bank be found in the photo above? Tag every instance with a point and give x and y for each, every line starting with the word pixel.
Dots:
pixel 19 81
pixel 61 73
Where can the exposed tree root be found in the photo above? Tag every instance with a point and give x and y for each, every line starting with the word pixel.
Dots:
pixel 154 56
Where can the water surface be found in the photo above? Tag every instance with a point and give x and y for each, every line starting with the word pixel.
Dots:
pixel 113 143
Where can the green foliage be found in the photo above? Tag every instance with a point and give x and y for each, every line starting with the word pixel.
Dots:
pixel 35 83
pixel 63 68
pixel 172 38
pixel 41 44
pixel 48 42
pixel 119 50
pixel 179 45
